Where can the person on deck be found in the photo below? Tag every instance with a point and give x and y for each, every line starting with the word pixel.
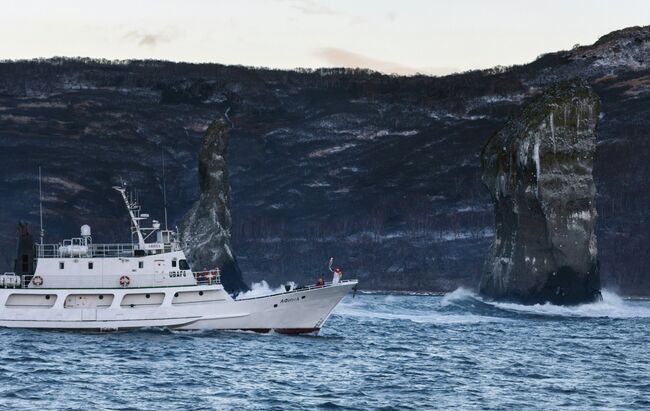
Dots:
pixel 338 275
pixel 320 282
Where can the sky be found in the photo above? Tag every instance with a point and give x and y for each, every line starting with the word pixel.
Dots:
pixel 398 36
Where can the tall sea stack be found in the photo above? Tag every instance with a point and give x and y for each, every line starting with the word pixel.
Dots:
pixel 205 230
pixel 538 169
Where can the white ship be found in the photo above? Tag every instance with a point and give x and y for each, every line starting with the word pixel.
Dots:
pixel 79 285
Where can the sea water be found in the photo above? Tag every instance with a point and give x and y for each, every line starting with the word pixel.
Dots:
pixel 376 352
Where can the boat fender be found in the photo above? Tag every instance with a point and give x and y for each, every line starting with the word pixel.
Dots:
pixel 37 280
pixel 125 281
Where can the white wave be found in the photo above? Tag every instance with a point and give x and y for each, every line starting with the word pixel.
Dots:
pixel 263 288
pixel 457 295
pixel 387 310
pixel 612 306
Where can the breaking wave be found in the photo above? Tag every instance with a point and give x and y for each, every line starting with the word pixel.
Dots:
pixel 464 306
pixel 383 308
pixel 611 306
pixel 263 288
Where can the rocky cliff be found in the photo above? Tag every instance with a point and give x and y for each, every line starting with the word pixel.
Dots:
pixel 381 172
pixel 205 230
pixel 538 169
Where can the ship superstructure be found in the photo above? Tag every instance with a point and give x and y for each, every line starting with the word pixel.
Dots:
pixel 77 284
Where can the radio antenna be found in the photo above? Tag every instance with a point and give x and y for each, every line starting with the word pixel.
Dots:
pixel 40 202
pixel 162 155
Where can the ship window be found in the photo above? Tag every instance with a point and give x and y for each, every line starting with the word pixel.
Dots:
pixel 61 265
pixel 183 265
pixel 173 263
pixel 141 264
pixel 90 266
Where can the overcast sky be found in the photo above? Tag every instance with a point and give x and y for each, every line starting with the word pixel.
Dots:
pixel 399 36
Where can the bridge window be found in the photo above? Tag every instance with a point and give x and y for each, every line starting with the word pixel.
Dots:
pixel 183 265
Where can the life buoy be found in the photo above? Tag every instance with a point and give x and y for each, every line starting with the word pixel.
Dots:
pixel 37 280
pixel 125 281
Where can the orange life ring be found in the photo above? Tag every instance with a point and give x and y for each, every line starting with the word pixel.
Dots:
pixel 37 280
pixel 125 281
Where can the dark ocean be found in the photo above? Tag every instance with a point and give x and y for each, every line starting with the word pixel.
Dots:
pixel 376 352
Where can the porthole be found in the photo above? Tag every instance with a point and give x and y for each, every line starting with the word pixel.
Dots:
pixel 101 297
pixel 175 294
pixel 47 297
pixel 200 292
pixel 148 296
pixel 303 297
pixel 132 305
pixel 275 306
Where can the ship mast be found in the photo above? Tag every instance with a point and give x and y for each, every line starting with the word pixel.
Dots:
pixel 164 187
pixel 133 208
pixel 40 203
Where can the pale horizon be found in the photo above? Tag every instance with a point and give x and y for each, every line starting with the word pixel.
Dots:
pixel 408 37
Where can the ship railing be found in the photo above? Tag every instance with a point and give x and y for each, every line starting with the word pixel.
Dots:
pixel 127 280
pixel 90 250
pixel 95 250
pixel 208 277
pixel 289 290
pixel 316 286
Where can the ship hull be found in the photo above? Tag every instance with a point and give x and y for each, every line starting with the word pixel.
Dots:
pixel 206 307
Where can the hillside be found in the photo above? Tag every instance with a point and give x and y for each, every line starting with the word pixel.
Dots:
pixel 380 171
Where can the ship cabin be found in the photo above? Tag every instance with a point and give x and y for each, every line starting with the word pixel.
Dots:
pixel 78 263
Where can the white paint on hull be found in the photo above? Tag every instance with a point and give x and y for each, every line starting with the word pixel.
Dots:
pixel 201 307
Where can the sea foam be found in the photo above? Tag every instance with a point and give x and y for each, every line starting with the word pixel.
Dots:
pixel 611 306
pixel 263 288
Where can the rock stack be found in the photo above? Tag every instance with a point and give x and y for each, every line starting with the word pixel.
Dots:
pixel 538 169
pixel 205 230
